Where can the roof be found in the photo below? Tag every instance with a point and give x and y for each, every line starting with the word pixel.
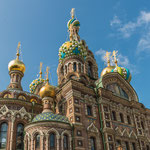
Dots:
pixel 49 116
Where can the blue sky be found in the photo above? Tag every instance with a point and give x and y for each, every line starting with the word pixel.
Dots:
pixel 41 26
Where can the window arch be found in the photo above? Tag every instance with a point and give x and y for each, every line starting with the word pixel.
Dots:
pixel 7 95
pixel 37 142
pixel 52 141
pixel 93 143
pixel 22 97
pixel 115 88
pixel 65 142
pixel 3 135
pixel 19 137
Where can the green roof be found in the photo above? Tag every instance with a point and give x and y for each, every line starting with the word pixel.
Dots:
pixel 49 116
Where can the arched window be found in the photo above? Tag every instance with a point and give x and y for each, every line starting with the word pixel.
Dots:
pixel 37 142
pixel 22 97
pixel 3 135
pixel 52 141
pixel 115 88
pixel 74 66
pixel 90 72
pixel 66 147
pixel 19 137
pixel 93 143
pixel 7 95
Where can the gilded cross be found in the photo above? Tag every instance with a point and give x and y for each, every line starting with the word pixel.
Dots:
pixel 47 72
pixel 115 56
pixel 72 12
pixel 107 56
pixel 18 47
pixel 41 64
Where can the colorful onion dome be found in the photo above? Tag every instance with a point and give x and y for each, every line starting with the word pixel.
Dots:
pixel 71 48
pixel 107 70
pixel 17 64
pixel 73 22
pixel 124 72
pixel 35 84
pixel 49 116
pixel 47 91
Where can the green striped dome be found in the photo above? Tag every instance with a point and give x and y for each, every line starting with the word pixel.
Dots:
pixel 49 116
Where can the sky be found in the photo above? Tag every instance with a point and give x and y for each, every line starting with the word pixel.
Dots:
pixel 41 27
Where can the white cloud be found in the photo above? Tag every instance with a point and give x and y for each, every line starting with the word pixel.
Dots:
pixel 144 43
pixel 123 61
pixel 128 29
pixel 141 25
pixel 115 21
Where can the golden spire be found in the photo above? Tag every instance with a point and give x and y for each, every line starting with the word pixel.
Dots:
pixel 115 57
pixel 72 13
pixel 47 72
pixel 107 56
pixel 18 47
pixel 40 69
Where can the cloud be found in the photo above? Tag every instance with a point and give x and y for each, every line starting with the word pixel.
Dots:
pixel 127 29
pixel 141 26
pixel 115 21
pixel 144 43
pixel 123 61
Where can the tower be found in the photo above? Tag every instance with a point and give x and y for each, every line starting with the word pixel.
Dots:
pixel 77 72
pixel 16 71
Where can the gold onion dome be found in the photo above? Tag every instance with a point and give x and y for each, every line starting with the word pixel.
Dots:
pixel 107 70
pixel 47 90
pixel 17 64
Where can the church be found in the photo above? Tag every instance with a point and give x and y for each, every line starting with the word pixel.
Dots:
pixel 83 112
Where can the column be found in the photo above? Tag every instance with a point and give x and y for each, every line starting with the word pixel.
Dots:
pixel 11 131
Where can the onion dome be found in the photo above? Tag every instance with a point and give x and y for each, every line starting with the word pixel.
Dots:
pixel 49 116
pixel 124 72
pixel 71 48
pixel 16 64
pixel 107 70
pixel 33 86
pixel 73 22
pixel 47 90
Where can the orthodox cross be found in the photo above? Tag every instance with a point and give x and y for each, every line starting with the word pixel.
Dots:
pixel 18 47
pixel 72 12
pixel 47 72
pixel 107 57
pixel 40 69
pixel 115 57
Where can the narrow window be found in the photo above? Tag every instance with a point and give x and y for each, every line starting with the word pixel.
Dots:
pixel 121 118
pixel 37 142
pixel 74 66
pixel 147 147
pixel 126 146
pixel 133 146
pixel 142 124
pixel 90 73
pixel 66 142
pixel 19 137
pixel 89 110
pixel 3 135
pixel 93 143
pixel 114 115
pixel 128 119
pixel 52 141
pixel 79 66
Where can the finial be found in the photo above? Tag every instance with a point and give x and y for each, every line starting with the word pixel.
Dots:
pixel 72 13
pixel 47 72
pixel 18 47
pixel 40 69
pixel 115 57
pixel 107 56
